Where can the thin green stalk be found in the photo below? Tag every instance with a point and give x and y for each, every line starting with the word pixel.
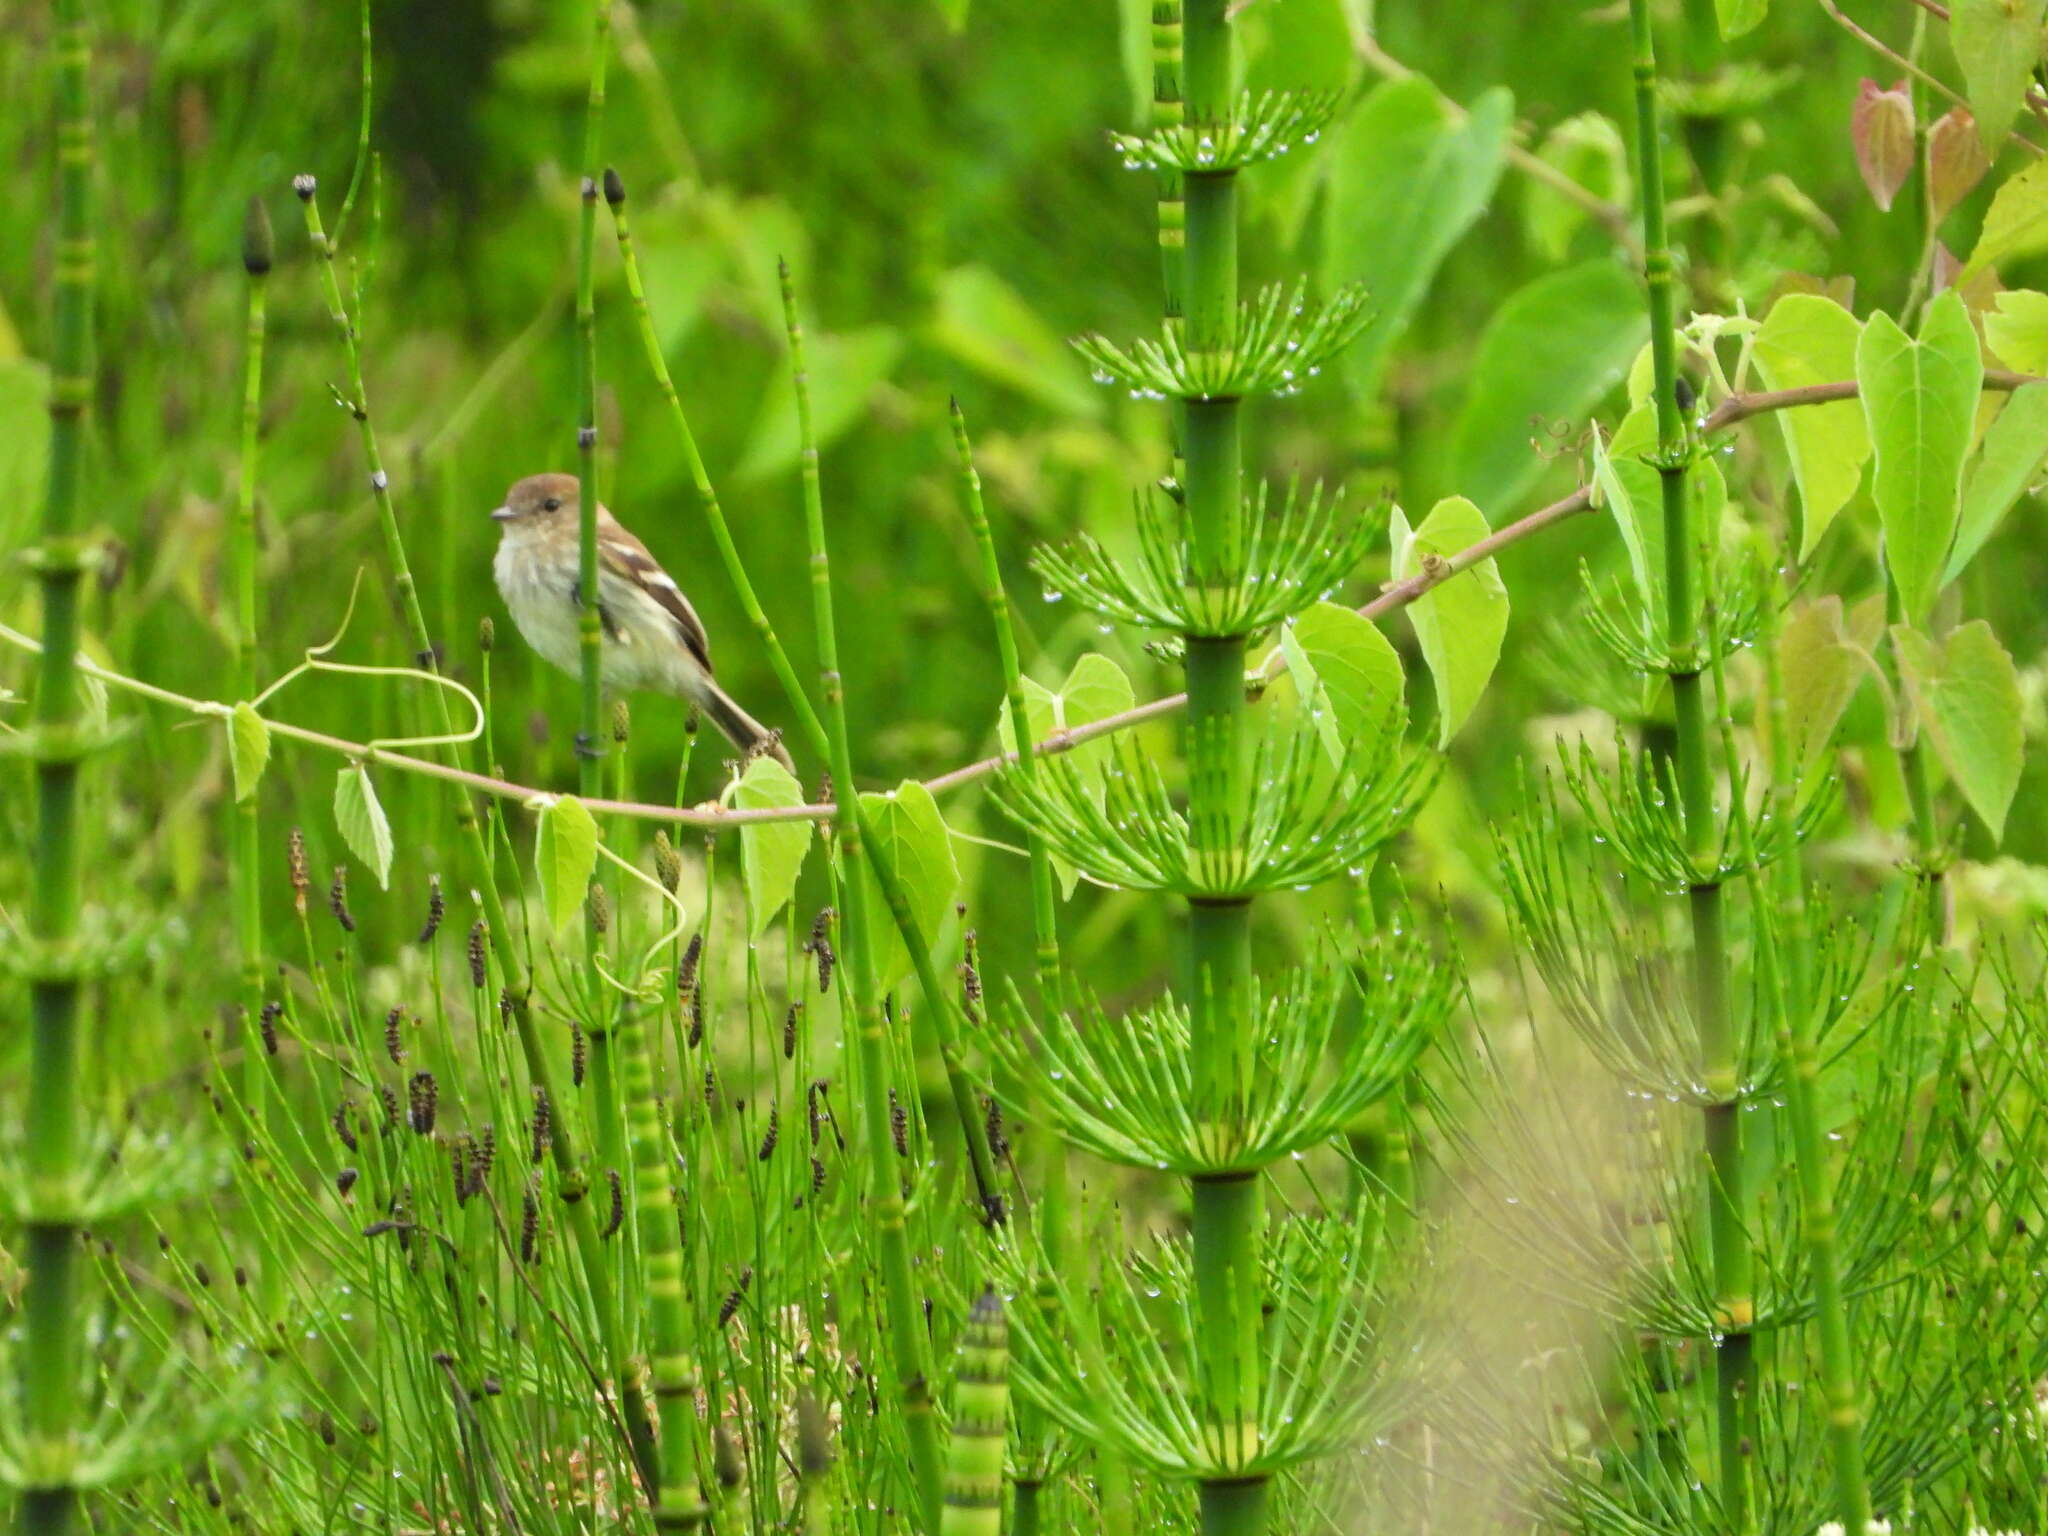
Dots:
pixel 1913 768
pixel 51 1324
pixel 1800 1063
pixel 590 736
pixel 1727 1195
pixel 572 1181
pixel 245 830
pixel 907 1340
pixel 1044 908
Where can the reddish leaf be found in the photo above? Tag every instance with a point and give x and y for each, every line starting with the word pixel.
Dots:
pixel 1955 159
pixel 1881 127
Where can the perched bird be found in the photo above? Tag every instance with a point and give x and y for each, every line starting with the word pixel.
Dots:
pixel 653 640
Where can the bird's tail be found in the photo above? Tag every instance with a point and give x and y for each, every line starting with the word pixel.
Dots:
pixel 741 728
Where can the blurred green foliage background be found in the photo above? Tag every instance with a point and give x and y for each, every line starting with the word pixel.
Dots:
pixel 952 212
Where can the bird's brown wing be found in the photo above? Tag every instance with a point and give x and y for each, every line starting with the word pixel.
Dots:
pixel 628 557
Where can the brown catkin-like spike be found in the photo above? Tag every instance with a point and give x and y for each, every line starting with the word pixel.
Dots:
pixel 388 1096
pixel 789 1031
pixel 478 975
pixel 970 978
pixel 813 1437
pixel 710 1087
pixel 817 1174
pixel 774 1133
pixel 695 1005
pixel 325 1426
pixel 733 1297
pixel 394 1040
pixel 725 1458
pixel 437 908
pixel 529 1226
pixel 579 1054
pixel 899 1125
pixel 344 1181
pixel 458 1166
pixel 337 899
pixel 266 1023
pixel 482 1156
pixel 543 1124
pixel 425 1101
pixel 668 864
pixel 622 722
pixel 344 1124
pixel 998 1138
pixel 302 878
pixel 686 968
pixel 486 634
pixel 618 1214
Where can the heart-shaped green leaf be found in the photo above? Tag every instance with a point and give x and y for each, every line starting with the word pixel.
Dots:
pixel 771 852
pixel 362 821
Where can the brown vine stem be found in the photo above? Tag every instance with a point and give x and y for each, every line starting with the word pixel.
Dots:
pixel 1734 409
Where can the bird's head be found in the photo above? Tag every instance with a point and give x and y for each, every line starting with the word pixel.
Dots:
pixel 538 502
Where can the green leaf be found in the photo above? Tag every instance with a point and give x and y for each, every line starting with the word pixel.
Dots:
pixel 771 852
pixel 1550 353
pixel 1638 521
pixel 1589 150
pixel 24 443
pixel 984 323
pixel 248 749
pixel 2014 446
pixel 1460 622
pixel 1997 43
pixel 1332 649
pixel 1095 689
pixel 1739 16
pixel 910 837
pixel 2016 224
pixel 1920 399
pixel 1134 39
pixel 362 822
pixel 1807 339
pixel 2016 329
pixel 564 856
pixel 844 370
pixel 1819 668
pixel 1405 184
pixel 1966 697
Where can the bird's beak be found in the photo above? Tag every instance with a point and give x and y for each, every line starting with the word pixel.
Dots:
pixel 503 515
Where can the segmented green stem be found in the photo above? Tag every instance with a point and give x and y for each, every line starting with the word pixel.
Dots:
pixel 572 1182
pixel 1044 909
pixel 907 1342
pixel 1732 1263
pixel 1789 983
pixel 590 734
pixel 981 1411
pixel 245 831
pixel 50 1322
pixel 1228 1224
pixel 678 1497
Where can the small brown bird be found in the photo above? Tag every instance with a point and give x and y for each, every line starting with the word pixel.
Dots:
pixel 653 640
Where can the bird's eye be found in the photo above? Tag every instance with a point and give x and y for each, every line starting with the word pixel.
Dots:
pixel 552 504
